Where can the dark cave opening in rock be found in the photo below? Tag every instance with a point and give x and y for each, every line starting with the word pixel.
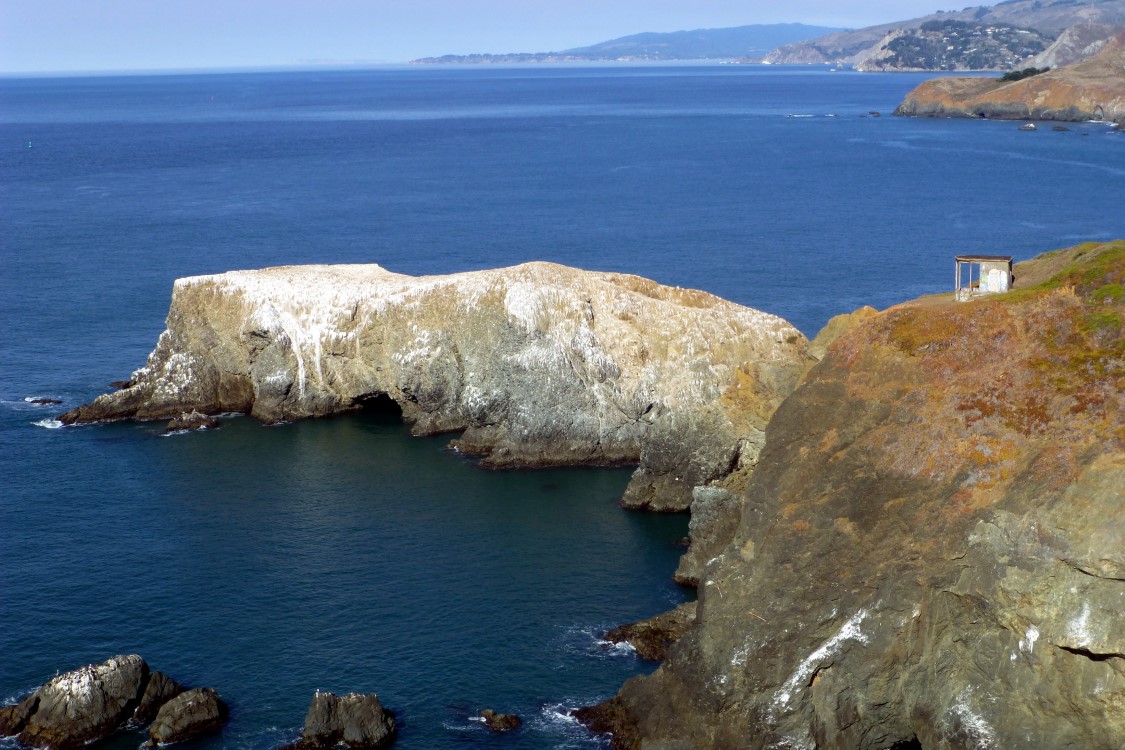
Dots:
pixel 379 406
pixel 910 744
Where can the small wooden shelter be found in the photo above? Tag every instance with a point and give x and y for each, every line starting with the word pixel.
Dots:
pixel 978 275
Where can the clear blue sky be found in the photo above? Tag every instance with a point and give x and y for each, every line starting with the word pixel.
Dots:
pixel 86 35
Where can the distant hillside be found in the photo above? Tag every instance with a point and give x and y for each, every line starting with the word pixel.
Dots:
pixel 740 42
pixel 956 45
pixel 868 48
pixel 1090 90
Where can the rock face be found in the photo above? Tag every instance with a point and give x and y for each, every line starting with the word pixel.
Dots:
pixel 190 714
pixel 538 364
pixel 1089 90
pixel 931 552
pixel 354 720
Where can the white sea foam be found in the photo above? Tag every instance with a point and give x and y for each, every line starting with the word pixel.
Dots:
pixel 566 732
pixel 587 640
pixel 50 424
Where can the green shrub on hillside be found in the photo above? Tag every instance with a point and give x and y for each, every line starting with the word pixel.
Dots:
pixel 1019 75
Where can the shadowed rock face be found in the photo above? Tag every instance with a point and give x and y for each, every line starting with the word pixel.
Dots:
pixel 1089 90
pixel 538 364
pixel 932 549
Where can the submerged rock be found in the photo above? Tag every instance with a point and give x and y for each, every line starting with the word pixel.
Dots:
pixel 355 720
pixel 85 705
pixel 192 713
pixel 500 722
pixel 538 364
pixel 932 548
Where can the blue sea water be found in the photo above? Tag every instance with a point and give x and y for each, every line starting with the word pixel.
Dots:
pixel 343 554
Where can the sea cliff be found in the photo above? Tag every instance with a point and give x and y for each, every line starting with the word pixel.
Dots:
pixel 1090 90
pixel 534 365
pixel 931 552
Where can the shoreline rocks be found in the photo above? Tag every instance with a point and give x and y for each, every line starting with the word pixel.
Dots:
pixel 535 365
pixel 93 702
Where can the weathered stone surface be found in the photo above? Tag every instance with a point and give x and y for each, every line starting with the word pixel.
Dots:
pixel 85 705
pixel 355 720
pixel 500 722
pixel 192 713
pixel 160 689
pixel 931 551
pixel 538 364
pixel 1090 90
pixel 652 637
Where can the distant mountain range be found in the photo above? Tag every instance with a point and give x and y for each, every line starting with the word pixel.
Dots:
pixel 740 42
pixel 1006 36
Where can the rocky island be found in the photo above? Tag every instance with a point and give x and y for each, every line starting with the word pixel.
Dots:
pixel 1093 89
pixel 931 553
pixel 535 365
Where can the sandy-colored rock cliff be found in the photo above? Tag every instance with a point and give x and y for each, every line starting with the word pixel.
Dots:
pixel 538 364
pixel 931 552
pixel 1090 90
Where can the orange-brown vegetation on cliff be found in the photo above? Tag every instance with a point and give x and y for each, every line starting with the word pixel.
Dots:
pixel 1000 372
pixel 1092 89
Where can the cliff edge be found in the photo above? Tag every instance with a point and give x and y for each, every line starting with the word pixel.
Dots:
pixel 1090 90
pixel 931 552
pixel 536 365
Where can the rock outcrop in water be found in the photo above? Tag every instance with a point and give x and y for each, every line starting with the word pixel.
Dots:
pixel 355 720
pixel 1089 90
pixel 537 364
pixel 931 552
pixel 91 703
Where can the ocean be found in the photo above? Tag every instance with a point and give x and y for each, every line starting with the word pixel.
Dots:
pixel 343 554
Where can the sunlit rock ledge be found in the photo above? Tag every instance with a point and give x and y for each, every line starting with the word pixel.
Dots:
pixel 536 365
